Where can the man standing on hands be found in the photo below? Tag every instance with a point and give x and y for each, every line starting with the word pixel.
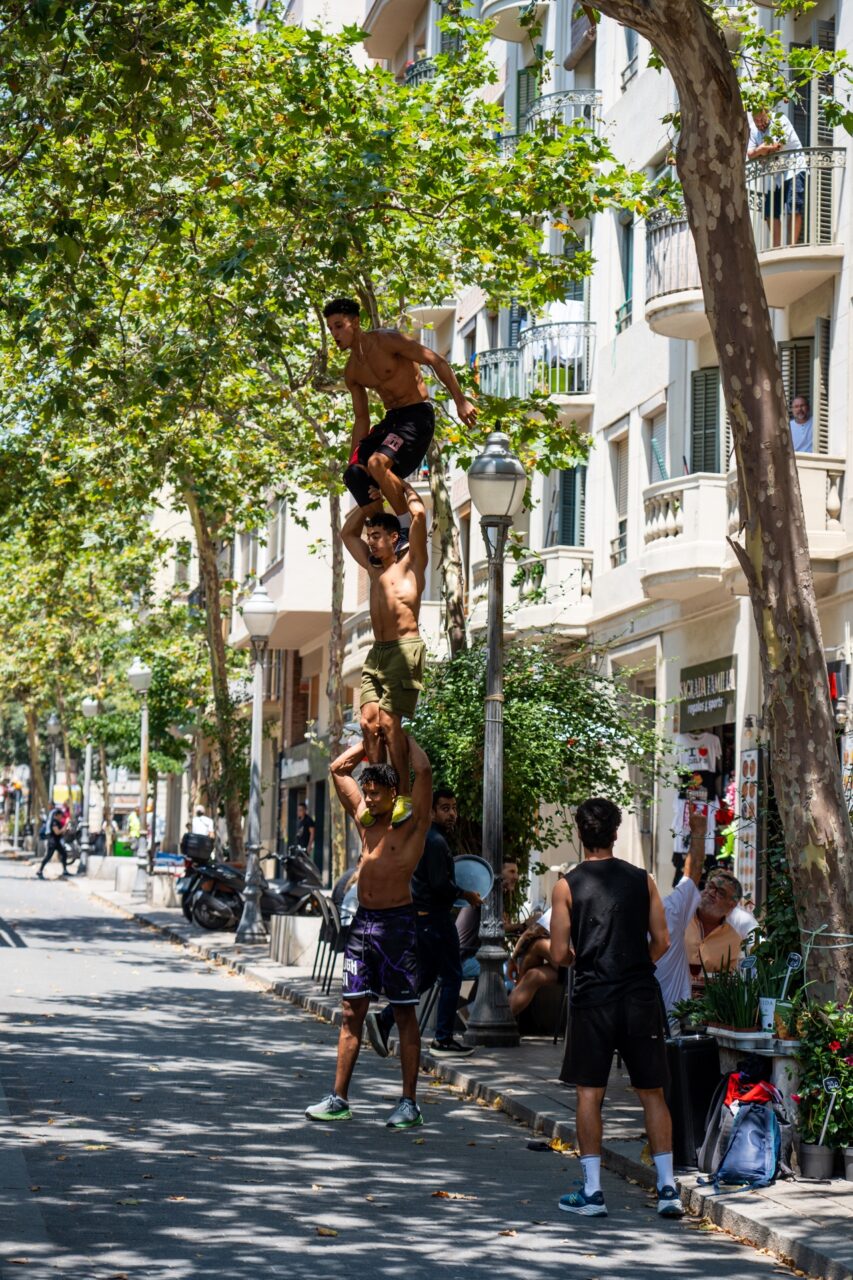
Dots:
pixel 381 956
pixel 608 917
pixel 393 670
pixel 389 364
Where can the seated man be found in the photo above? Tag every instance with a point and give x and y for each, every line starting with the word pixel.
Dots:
pixel 530 966
pixel 468 922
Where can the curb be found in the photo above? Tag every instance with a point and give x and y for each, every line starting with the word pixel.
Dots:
pixel 755 1228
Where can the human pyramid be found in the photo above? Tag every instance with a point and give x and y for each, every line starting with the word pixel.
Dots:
pixel 392 802
pixel 607 917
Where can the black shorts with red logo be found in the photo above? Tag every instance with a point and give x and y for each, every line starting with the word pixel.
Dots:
pixel 403 435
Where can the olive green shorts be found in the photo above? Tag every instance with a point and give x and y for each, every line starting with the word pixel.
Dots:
pixel 393 675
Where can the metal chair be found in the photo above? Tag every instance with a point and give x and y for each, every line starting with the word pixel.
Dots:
pixel 338 942
pixel 429 1000
pixel 324 937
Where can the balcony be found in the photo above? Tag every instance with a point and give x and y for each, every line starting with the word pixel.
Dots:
pixel 418 72
pixel 675 306
pixel 822 489
pixel 500 372
pixel 550 590
pixel 557 358
pixel 684 521
pixel 565 108
pixel 387 23
pixel 507 16
pixel 798 246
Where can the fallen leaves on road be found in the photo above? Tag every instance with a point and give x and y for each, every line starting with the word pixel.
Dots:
pixel 18 1262
pixel 153 1068
pixel 148 1176
pixel 564 1148
pixel 326 1231
pixel 35 1188
pixel 176 1197
pixel 451 1195
pixel 419 1142
pixel 510 1232
pixel 97 1146
pixel 315 1186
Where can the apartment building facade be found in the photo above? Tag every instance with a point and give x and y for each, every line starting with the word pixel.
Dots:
pixel 630 549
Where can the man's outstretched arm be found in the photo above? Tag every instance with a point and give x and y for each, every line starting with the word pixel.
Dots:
pixel 351 531
pixel 341 769
pixel 411 350
pixel 422 785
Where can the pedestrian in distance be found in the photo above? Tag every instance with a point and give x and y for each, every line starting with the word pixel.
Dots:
pixel 202 824
pixel 381 957
pixel 608 918
pixel 305 827
pixel 434 891
pixel 384 361
pixel 392 674
pixel 55 825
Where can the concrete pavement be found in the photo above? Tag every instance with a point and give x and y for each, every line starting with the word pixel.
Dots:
pixel 154 1129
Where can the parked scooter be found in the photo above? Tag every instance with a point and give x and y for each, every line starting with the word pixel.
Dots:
pixel 212 892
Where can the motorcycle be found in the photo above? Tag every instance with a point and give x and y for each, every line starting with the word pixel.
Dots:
pixel 212 893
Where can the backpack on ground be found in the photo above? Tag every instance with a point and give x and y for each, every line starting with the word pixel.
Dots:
pixel 752 1156
pixel 736 1094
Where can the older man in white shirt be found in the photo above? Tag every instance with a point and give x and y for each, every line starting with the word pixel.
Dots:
pixel 802 427
pixel 771 133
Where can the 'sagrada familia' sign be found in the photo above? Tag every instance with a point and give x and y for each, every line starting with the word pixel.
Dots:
pixel 707 694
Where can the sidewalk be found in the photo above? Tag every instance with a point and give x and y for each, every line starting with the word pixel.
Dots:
pixel 806 1224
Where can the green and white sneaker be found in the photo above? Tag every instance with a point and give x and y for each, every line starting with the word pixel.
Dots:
pixel 406 1115
pixel 331 1108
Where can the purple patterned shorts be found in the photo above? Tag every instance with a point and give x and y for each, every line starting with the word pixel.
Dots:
pixel 381 956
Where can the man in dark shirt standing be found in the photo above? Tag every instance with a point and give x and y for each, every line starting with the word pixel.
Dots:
pixel 305 826
pixel 607 916
pixel 434 891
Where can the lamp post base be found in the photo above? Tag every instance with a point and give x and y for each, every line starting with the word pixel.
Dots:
pixel 491 1023
pixel 251 928
pixel 85 849
pixel 140 884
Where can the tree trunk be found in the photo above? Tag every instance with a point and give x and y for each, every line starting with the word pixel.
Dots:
pixel 774 553
pixel 38 786
pixel 107 798
pixel 335 686
pixel 223 709
pixel 452 575
pixel 66 745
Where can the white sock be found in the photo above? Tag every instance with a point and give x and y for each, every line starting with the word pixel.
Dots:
pixel 405 523
pixel 663 1165
pixel 591 1166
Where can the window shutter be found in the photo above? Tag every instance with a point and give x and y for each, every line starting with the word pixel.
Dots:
pixel 527 89
pixel 824 86
pixel 576 289
pixel 621 478
pixel 797 359
pixel 571 511
pixel 820 399
pixel 705 420
pixel 516 315
pixel 657 446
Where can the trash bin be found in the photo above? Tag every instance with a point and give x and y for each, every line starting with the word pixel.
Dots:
pixel 694 1073
pixel 122 850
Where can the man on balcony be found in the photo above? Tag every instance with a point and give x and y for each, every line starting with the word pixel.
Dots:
pixel 784 191
pixel 802 427
pixel 386 362
pixel 392 674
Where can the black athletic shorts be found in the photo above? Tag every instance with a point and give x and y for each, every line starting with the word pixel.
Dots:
pixel 381 956
pixel 403 435
pixel 631 1025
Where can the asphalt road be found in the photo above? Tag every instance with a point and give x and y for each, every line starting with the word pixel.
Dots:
pixel 153 1128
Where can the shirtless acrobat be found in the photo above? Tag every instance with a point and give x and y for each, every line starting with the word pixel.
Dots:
pixel 381 952
pixel 392 674
pixel 384 361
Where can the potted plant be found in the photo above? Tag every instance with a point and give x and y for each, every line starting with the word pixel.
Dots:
pixel 690 1015
pixel 825 1119
pixel 730 1001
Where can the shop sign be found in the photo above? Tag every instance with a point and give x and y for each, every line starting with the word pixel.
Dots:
pixel 707 694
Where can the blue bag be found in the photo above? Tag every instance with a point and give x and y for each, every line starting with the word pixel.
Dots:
pixel 751 1157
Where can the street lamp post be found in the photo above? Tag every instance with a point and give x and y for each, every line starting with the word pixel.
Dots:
pixel 54 729
pixel 139 677
pixel 259 614
pixel 90 708
pixel 497 483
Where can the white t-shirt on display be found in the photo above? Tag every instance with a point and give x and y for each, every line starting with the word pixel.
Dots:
pixel 672 970
pixel 698 752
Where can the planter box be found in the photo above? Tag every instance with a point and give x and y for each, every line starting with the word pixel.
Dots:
pixel 293 939
pixel 785 1069
pixel 160 890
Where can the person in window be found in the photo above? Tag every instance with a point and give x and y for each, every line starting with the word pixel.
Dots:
pixel 785 192
pixel 802 428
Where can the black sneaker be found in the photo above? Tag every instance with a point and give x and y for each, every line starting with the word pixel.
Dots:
pixel 669 1203
pixel 450 1049
pixel 377 1034
pixel 402 544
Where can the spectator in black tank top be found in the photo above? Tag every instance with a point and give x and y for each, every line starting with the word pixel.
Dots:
pixel 608 918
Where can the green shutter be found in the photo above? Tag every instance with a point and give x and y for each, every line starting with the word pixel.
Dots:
pixel 797 360
pixel 657 446
pixel 820 400
pixel 526 93
pixel 571 510
pixel 705 420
